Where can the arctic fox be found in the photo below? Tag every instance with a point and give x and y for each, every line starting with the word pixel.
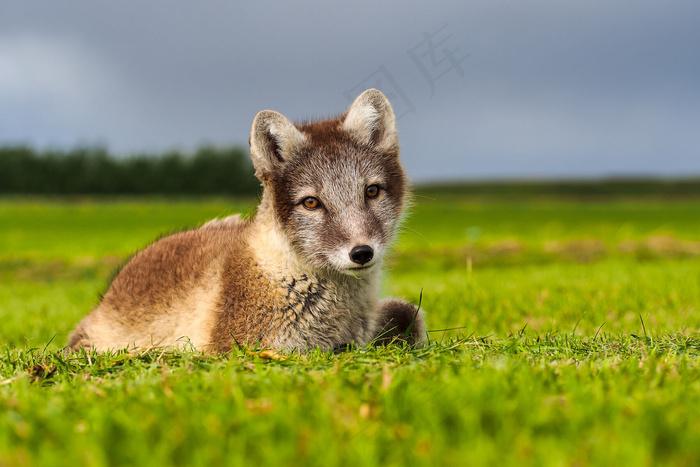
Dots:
pixel 304 273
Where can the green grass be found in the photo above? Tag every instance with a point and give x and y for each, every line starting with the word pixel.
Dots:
pixel 562 333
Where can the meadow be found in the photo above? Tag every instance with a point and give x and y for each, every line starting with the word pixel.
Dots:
pixel 562 331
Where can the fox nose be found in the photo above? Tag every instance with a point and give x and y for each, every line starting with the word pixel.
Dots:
pixel 361 254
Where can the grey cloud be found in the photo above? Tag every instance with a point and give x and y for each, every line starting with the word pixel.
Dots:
pixel 549 88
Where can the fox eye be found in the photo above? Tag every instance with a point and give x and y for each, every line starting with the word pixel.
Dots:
pixel 372 191
pixel 311 203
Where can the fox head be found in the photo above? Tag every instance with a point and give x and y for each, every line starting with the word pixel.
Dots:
pixel 336 187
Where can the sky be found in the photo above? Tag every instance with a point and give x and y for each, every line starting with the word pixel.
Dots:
pixel 482 89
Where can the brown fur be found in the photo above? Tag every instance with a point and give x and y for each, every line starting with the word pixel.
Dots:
pixel 283 280
pixel 400 321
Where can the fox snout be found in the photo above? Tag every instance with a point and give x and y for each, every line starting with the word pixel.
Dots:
pixel 362 254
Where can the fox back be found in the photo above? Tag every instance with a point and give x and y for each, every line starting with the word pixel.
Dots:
pixel 303 273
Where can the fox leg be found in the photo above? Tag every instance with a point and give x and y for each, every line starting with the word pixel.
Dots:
pixel 79 339
pixel 400 320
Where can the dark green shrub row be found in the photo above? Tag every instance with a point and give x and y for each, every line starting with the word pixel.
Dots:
pixel 228 171
pixel 210 170
pixel 589 189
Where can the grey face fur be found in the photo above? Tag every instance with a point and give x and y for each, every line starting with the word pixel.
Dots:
pixel 334 162
pixel 345 216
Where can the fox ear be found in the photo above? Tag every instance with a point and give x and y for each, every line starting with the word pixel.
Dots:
pixel 371 119
pixel 273 139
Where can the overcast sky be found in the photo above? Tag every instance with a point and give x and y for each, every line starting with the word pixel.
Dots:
pixel 482 88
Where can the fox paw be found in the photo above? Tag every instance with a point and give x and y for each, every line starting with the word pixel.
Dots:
pixel 401 321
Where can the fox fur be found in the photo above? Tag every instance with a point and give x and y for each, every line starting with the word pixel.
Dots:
pixel 304 273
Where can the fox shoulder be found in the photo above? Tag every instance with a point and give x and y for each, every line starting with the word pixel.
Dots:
pixel 234 220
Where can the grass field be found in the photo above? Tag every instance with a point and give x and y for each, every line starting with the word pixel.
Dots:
pixel 562 332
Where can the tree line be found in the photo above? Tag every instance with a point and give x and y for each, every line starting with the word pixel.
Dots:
pixel 214 170
pixel 209 170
